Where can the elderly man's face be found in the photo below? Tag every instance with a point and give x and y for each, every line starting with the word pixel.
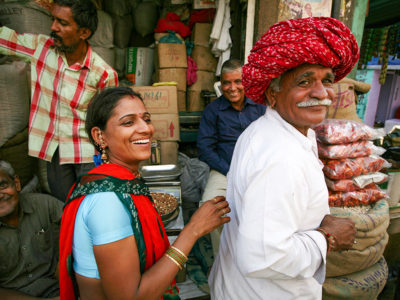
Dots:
pixel 308 85
pixel 232 87
pixel 9 189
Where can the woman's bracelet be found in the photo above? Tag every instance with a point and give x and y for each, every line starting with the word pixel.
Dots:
pixel 180 252
pixel 177 256
pixel 174 261
pixel 330 239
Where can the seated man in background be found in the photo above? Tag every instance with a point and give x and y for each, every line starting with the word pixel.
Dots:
pixel 29 233
pixel 222 121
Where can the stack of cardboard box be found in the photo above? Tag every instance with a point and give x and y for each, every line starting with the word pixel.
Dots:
pixel 162 103
pixel 206 66
pixel 170 65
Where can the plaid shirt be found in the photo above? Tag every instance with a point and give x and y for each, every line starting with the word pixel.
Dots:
pixel 60 95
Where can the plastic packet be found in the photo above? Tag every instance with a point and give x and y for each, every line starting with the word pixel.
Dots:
pixel 364 180
pixel 356 198
pixel 344 185
pixel 356 149
pixel 336 131
pixel 351 167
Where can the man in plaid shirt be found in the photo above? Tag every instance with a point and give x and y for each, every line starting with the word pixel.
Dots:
pixel 66 75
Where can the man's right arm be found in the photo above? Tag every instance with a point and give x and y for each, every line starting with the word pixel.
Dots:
pixel 7 294
pixel 20 45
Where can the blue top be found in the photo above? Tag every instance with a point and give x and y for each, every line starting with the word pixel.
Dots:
pixel 220 127
pixel 101 219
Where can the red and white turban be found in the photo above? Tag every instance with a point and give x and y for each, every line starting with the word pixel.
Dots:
pixel 288 44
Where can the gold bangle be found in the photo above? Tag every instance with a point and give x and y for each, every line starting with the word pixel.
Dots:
pixel 176 256
pixel 175 262
pixel 179 251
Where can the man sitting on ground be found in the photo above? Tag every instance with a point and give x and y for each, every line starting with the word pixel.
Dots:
pixel 29 233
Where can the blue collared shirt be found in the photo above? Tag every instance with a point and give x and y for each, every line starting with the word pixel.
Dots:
pixel 220 127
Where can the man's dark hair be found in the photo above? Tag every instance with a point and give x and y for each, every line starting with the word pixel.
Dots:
pixel 231 65
pixel 84 13
pixel 101 108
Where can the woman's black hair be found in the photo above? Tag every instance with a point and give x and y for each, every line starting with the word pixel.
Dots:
pixel 101 107
pixel 84 13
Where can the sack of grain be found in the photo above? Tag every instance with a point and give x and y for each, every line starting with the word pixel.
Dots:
pixel 25 17
pixel 362 285
pixel 123 26
pixel 15 151
pixel 104 35
pixel 120 60
pixel 14 113
pixel 108 54
pixel 145 17
pixel 371 238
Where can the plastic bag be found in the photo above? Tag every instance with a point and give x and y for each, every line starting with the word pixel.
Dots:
pixel 336 131
pixel 170 38
pixel 193 178
pixel 352 150
pixel 172 22
pixel 356 198
pixel 367 179
pixel 343 185
pixel 356 183
pixel 351 167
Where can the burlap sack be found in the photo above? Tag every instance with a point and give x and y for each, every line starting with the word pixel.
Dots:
pixel 123 26
pixel 108 54
pixel 344 104
pixel 15 151
pixel 363 285
pixel 371 238
pixel 14 99
pixel 104 35
pixel 25 17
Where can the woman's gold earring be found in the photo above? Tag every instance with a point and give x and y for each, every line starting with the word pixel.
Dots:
pixel 103 156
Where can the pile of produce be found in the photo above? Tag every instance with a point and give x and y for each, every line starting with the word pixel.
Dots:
pixel 352 165
pixel 351 162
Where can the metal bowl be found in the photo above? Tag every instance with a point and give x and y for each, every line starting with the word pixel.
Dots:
pixel 160 172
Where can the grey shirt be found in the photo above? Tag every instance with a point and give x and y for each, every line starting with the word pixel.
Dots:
pixel 29 252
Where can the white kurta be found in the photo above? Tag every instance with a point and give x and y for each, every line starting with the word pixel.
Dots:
pixel 278 197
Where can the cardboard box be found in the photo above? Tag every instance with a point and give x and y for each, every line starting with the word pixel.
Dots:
pixel 205 81
pixel 201 34
pixel 195 101
pixel 169 152
pixel 181 100
pixel 173 74
pixel 159 99
pixel 204 59
pixel 166 127
pixel 201 4
pixel 169 55
pixel 139 65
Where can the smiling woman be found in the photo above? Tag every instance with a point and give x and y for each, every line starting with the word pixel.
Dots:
pixel 110 227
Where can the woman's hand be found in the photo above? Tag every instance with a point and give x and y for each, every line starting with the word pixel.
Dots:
pixel 209 216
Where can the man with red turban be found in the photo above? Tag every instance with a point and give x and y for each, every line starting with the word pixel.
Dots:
pixel 280 231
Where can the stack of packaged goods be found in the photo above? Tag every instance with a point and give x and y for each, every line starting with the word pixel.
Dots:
pixel 352 166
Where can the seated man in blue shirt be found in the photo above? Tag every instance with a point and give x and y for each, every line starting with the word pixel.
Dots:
pixel 222 121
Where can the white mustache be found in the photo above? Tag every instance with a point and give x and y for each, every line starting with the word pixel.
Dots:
pixel 314 102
